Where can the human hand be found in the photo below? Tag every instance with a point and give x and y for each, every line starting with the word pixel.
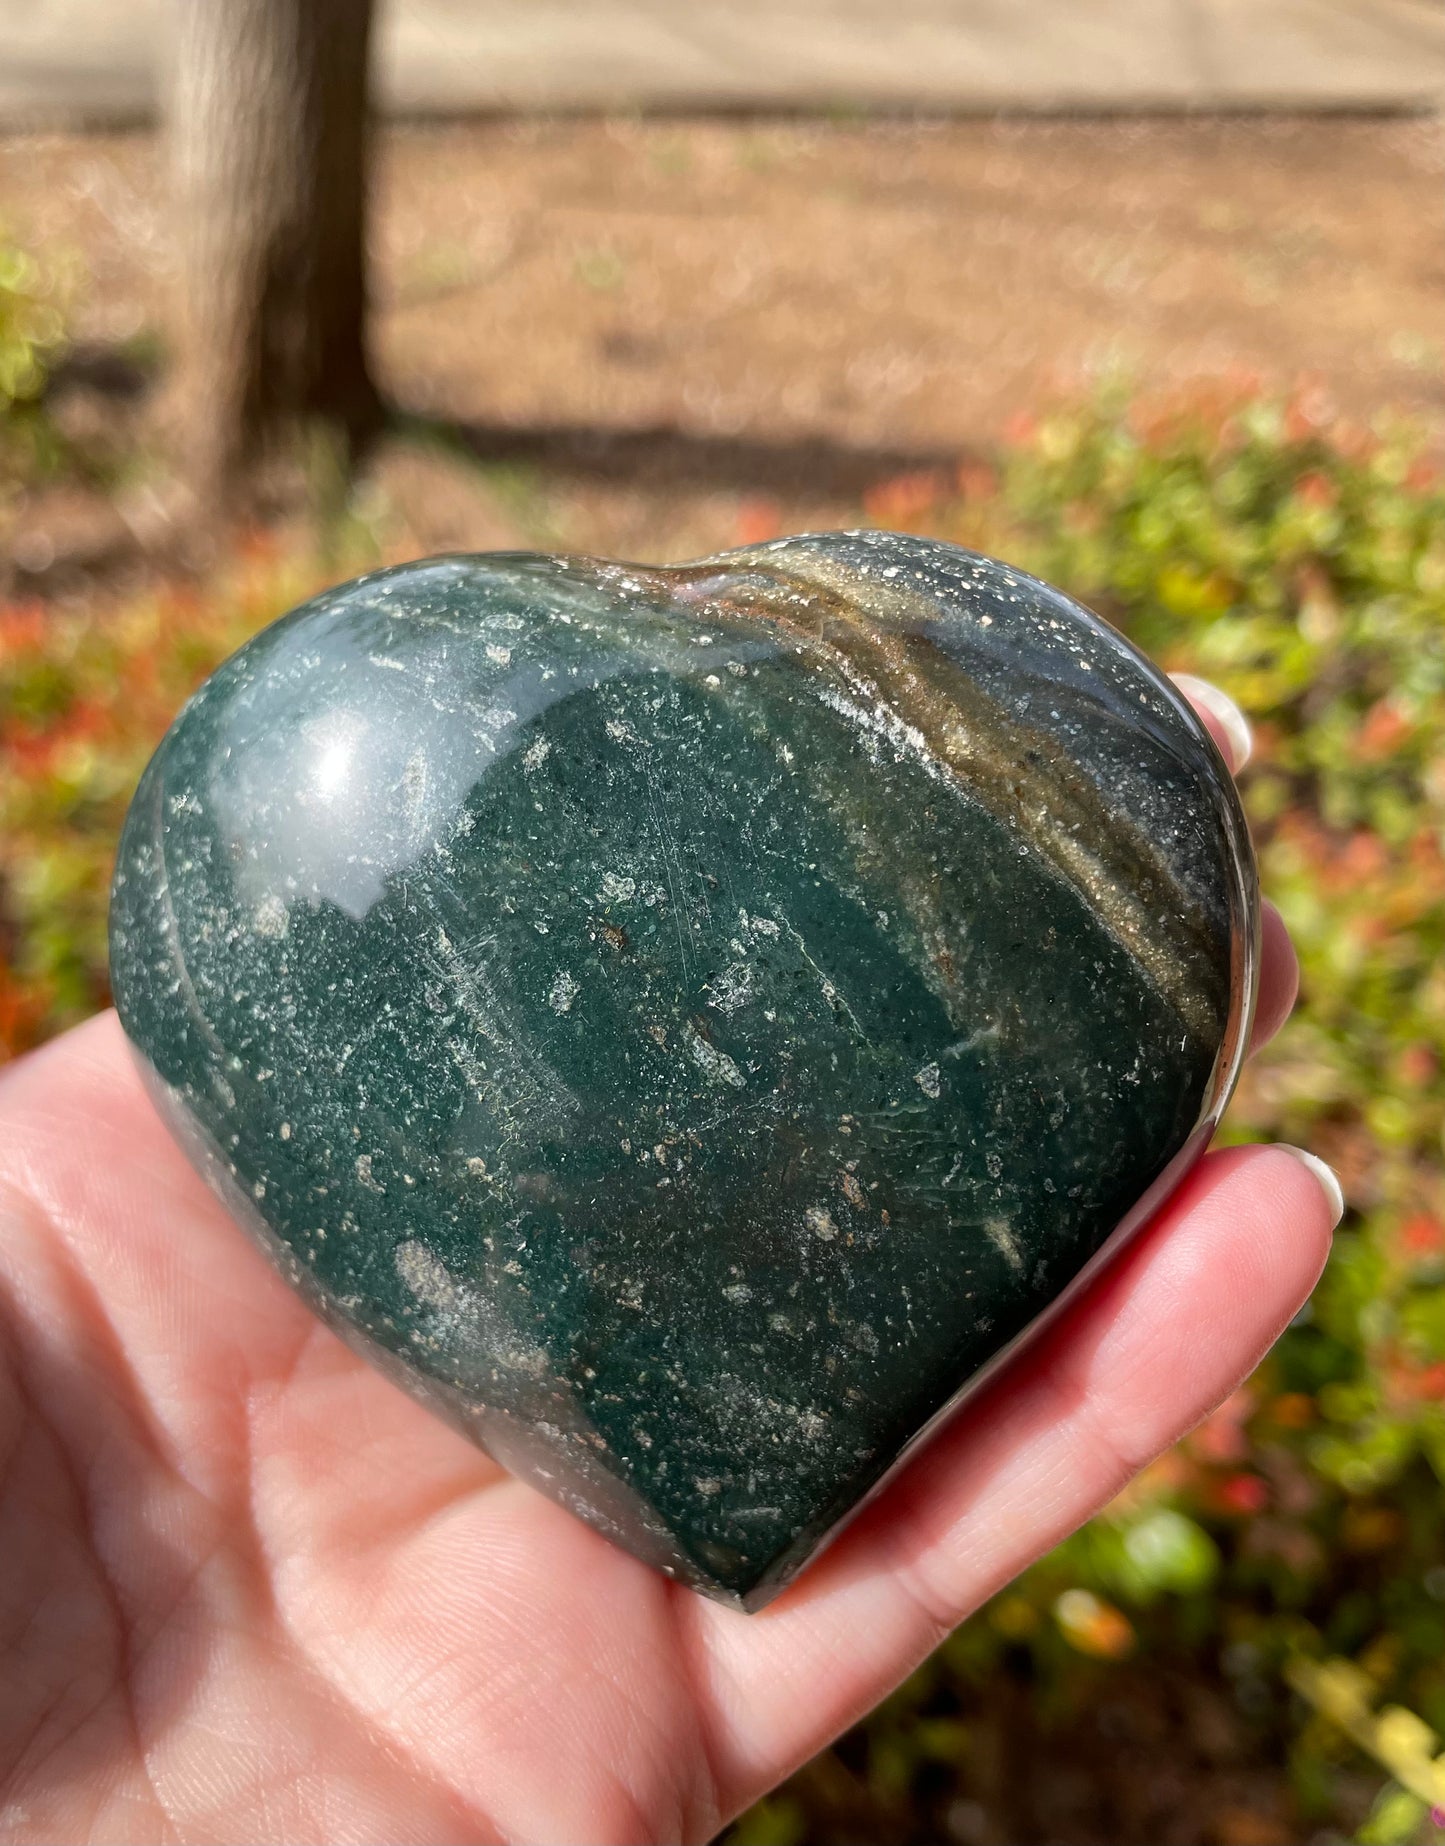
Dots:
pixel 254 1592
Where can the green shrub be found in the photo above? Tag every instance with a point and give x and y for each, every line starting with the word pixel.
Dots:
pixel 33 303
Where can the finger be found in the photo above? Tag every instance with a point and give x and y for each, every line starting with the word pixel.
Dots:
pixel 1278 968
pixel 1278 977
pixel 1221 717
pixel 1164 1335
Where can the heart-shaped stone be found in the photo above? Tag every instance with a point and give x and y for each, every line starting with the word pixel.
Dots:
pixel 684 1024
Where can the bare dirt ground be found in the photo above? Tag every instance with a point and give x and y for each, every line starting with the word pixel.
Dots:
pixel 649 325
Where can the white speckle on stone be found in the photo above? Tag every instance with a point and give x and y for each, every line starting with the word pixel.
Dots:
pixel 536 754
pixel 272 917
pixel 732 988
pixel 565 990
pixel 616 888
pixel 1000 1234
pixel 820 1222
pixel 415 788
pixel 930 1081
pixel 707 1484
pixel 498 655
pixel 714 1063
pixel 285 1131
pixel 363 1173
pixel 425 1275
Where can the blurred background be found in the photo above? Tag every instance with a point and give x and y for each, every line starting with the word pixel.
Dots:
pixel 1149 298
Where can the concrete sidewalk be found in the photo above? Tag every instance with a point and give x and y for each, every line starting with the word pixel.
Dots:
pixel 91 63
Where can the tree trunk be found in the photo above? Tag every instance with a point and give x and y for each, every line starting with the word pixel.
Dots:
pixel 269 150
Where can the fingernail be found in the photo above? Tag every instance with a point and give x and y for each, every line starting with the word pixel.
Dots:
pixel 1225 713
pixel 1326 1175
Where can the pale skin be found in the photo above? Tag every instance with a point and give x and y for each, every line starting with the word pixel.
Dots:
pixel 251 1591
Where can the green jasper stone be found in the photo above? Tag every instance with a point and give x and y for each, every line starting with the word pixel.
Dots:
pixel 683 1024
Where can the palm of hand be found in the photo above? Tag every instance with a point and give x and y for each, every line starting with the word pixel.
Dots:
pixel 252 1591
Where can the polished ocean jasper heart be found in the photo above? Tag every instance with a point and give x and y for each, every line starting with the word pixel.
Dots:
pixel 683 1024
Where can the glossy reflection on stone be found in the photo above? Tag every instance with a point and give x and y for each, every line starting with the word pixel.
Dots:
pixel 684 1023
